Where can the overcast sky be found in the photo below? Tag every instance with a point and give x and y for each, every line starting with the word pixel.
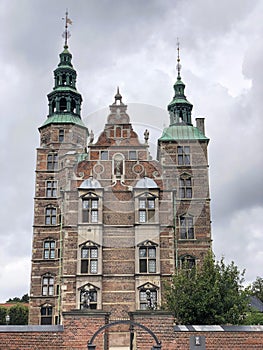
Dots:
pixel 133 44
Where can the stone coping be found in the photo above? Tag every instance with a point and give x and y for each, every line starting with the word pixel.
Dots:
pixel 215 328
pixel 32 329
pixel 178 328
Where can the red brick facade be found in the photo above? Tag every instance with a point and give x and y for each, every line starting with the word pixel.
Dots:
pixel 111 224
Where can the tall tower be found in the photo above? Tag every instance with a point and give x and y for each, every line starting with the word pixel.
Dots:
pixel 62 138
pixel 182 153
pixel 111 224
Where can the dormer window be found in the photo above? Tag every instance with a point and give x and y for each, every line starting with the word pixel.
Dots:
pixel 90 208
pixel 146 209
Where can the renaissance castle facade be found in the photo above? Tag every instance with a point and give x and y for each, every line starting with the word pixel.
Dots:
pixel 111 224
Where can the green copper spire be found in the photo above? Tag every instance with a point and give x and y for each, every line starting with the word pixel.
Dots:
pixel 65 101
pixel 179 108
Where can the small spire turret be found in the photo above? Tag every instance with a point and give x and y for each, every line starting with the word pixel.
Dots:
pixel 65 100
pixel 179 108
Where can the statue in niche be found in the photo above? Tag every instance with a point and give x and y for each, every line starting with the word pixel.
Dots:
pixel 118 166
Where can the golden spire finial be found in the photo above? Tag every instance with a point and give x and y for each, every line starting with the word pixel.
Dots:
pixel 66 33
pixel 178 66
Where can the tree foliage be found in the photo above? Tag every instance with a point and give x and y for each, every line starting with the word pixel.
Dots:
pixel 18 314
pixel 257 288
pixel 210 294
pixel 3 312
pixel 24 299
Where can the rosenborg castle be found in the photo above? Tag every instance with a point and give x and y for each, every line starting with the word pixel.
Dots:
pixel 111 222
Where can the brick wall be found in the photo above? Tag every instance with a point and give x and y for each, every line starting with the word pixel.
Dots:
pixel 78 328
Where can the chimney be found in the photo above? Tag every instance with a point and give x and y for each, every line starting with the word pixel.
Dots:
pixel 200 124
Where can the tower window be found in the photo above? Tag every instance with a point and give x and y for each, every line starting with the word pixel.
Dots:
pixel 51 216
pixel 51 188
pixel 73 106
pixel 146 209
pixel 88 298
pixel 187 262
pixel 185 189
pixel 183 153
pixel 49 249
pixel 89 259
pixel 47 285
pixel 61 135
pixel 90 206
pixel 52 161
pixel 64 79
pixel 63 105
pixel 148 299
pixel 186 227
pixel 147 259
pixel 46 315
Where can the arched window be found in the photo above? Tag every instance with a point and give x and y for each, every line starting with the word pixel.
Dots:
pixel 186 226
pixel 90 208
pixel 64 79
pixel 63 105
pixel 148 297
pixel 49 249
pixel 50 216
pixel 46 313
pixel 47 285
pixel 88 297
pixel 73 106
pixel 53 106
pixel 89 258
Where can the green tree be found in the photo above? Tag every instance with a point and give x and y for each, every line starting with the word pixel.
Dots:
pixel 18 314
pixel 24 299
pixel 253 317
pixel 210 294
pixel 257 288
pixel 3 312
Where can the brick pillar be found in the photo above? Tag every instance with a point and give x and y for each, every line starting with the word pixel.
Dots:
pixel 80 326
pixel 161 323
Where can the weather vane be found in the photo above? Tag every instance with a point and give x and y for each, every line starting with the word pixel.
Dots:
pixel 178 66
pixel 66 34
